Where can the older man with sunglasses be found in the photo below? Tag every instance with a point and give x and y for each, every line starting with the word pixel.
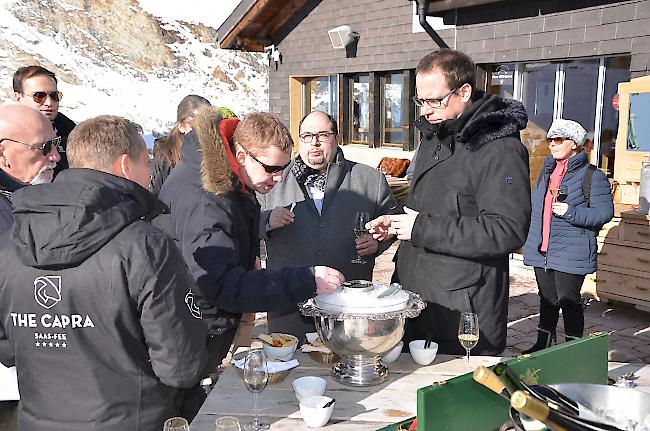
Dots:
pixel 28 154
pixel 309 218
pixel 36 87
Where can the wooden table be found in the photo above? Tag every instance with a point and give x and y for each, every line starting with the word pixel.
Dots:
pixel 358 408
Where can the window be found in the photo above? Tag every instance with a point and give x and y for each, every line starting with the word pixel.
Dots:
pixel 360 109
pixel 392 110
pixel 321 93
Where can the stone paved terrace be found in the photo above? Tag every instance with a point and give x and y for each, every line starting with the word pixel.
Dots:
pixel 629 328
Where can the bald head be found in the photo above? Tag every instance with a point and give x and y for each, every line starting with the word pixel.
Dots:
pixel 23 131
pixel 319 140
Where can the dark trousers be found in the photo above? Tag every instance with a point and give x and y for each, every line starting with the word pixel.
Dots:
pixel 189 401
pixel 559 290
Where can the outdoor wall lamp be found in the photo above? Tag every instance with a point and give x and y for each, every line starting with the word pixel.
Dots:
pixel 273 54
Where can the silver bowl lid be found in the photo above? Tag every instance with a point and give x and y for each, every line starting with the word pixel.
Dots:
pixel 363 299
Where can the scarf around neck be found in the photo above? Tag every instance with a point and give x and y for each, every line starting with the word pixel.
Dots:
pixel 307 175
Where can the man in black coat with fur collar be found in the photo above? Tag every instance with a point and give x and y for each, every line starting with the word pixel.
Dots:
pixel 468 207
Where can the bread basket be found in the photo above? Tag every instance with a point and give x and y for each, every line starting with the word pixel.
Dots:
pixel 273 377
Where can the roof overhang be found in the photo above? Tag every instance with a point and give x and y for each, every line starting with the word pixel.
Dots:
pixel 436 6
pixel 254 23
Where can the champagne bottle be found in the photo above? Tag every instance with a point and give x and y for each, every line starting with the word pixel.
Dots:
pixel 554 419
pixel 542 393
pixel 487 378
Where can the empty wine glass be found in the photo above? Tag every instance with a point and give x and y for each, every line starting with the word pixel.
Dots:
pixel 176 424
pixel 468 332
pixel 255 378
pixel 227 423
pixel 360 230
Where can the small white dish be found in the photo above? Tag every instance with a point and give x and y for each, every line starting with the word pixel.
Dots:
pixel 283 353
pixel 309 386
pixel 313 412
pixel 393 354
pixel 421 355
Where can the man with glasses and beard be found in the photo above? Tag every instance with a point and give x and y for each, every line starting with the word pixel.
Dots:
pixel 36 87
pixel 468 206
pixel 308 219
pixel 28 154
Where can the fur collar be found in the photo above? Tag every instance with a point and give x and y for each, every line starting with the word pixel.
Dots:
pixel 219 169
pixel 489 118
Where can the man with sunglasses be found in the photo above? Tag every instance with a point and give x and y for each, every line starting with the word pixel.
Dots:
pixel 36 87
pixel 468 205
pixel 28 154
pixel 308 219
pixel 215 217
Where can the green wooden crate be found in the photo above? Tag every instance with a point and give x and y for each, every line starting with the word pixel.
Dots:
pixel 461 404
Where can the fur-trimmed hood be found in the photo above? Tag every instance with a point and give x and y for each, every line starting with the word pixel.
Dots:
pixel 490 118
pixel 218 167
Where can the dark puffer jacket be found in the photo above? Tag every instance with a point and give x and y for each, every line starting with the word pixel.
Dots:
pixel 470 184
pixel 63 126
pixel 94 307
pixel 216 225
pixel 572 246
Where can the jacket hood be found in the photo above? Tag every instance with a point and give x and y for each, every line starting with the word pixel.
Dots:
pixel 61 224
pixel 489 118
pixel 218 167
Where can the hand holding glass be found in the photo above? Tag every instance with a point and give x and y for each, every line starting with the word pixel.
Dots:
pixel 468 332
pixel 255 378
pixel 360 231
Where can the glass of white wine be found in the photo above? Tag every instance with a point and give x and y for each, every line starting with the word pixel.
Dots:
pixel 227 423
pixel 255 378
pixel 468 332
pixel 360 230
pixel 176 424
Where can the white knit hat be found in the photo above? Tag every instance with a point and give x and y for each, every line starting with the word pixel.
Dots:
pixel 567 129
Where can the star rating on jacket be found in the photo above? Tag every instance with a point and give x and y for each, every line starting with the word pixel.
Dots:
pixel 56 345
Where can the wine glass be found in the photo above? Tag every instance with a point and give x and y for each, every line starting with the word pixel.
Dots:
pixel 468 332
pixel 176 424
pixel 360 230
pixel 227 423
pixel 256 376
pixel 562 194
pixel 554 191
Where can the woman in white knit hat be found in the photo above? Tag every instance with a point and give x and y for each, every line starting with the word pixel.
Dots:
pixel 570 202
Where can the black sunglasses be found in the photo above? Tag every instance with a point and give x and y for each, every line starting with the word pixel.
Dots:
pixel 41 96
pixel 270 169
pixel 45 147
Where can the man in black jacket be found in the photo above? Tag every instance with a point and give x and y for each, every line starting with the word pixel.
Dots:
pixel 28 154
pixel 95 306
pixel 36 87
pixel 468 206
pixel 215 220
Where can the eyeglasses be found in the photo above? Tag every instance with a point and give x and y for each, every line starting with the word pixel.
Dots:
pixel 433 103
pixel 270 169
pixel 41 96
pixel 558 140
pixel 308 138
pixel 45 147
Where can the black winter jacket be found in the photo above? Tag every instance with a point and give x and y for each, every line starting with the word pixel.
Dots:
pixel 471 187
pixel 94 307
pixel 7 187
pixel 215 225
pixel 63 126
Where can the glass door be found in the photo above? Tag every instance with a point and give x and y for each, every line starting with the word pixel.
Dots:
pixel 360 109
pixel 393 126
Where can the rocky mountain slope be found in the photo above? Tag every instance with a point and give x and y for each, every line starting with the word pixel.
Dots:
pixel 113 57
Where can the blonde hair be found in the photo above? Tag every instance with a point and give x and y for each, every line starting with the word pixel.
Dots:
pixel 260 130
pixel 97 142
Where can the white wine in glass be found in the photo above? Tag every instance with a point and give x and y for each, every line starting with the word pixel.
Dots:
pixel 176 424
pixel 360 230
pixel 468 332
pixel 227 423
pixel 255 378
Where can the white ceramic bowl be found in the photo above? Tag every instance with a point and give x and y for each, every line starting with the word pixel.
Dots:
pixel 421 355
pixel 284 353
pixel 309 386
pixel 314 415
pixel 394 353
